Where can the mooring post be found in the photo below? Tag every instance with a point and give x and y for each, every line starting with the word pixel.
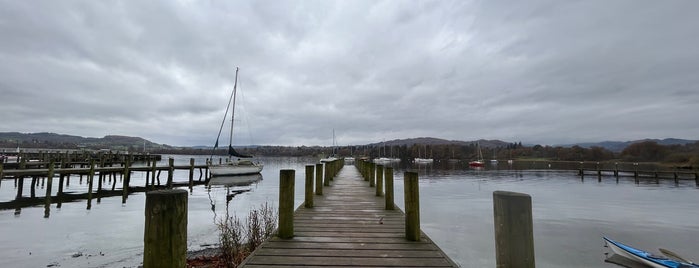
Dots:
pixel 309 187
pixel 152 176
pixel 326 176
pixel 331 167
pixel 20 186
pixel 514 235
pixel 90 178
pixel 49 182
pixel 390 205
pixel 412 206
pixel 171 170
pixel 165 236
pixel 286 203
pixel 191 174
pixel 372 174
pixel 125 181
pixel 379 180
pixel 319 179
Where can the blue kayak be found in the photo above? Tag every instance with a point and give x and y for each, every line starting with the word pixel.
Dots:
pixel 646 257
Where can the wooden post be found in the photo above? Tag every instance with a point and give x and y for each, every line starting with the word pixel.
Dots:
pixel 20 186
pixel 171 170
pixel 90 178
pixel 191 174
pixel 49 182
pixel 319 179
pixel 286 203
pixel 372 174
pixel 514 235
pixel 379 180
pixel 125 182
pixel 390 204
pixel 309 187
pixel 152 177
pixel 412 206
pixel 165 235
pixel 326 172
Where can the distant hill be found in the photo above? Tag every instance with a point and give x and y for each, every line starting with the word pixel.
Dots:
pixel 436 141
pixel 618 146
pixel 62 141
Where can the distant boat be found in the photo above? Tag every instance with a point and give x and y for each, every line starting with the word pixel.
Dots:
pixel 233 166
pixel 420 160
pixel 479 162
pixel 333 154
pixel 649 259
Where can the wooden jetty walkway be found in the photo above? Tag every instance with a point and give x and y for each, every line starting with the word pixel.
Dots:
pixel 348 226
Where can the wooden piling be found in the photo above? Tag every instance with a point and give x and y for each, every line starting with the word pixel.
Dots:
pixel 308 202
pixel 412 206
pixel 286 203
pixel 372 174
pixel 326 175
pixel 49 182
pixel 514 235
pixel 191 174
pixel 319 179
pixel 165 235
pixel 90 178
pixel 379 180
pixel 390 204
pixel 171 170
pixel 125 182
pixel 20 187
pixel 152 177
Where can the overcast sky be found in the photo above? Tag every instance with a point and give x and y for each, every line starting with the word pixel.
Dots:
pixel 546 72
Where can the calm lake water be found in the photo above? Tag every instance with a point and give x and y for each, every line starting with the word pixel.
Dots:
pixel 570 216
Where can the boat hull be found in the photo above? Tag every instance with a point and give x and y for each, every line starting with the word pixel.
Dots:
pixel 237 180
pixel 235 168
pixel 643 256
pixel 476 164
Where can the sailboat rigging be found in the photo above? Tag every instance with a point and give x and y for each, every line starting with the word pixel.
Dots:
pixel 238 166
pixel 479 162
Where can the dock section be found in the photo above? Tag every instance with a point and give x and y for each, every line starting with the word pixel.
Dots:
pixel 348 226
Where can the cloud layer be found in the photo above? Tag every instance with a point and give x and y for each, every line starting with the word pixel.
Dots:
pixel 539 71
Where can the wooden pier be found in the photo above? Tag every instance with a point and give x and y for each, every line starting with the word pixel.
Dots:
pixel 348 225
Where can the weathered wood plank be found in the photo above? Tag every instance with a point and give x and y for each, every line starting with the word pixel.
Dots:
pixel 348 226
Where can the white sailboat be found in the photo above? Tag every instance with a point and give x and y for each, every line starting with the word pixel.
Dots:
pixel 333 155
pixel 236 164
pixel 422 160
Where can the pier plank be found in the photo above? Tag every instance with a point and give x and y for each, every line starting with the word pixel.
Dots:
pixel 348 227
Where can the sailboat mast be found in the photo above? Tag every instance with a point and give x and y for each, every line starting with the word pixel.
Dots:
pixel 235 87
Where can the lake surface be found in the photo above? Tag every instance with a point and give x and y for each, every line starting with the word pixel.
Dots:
pixel 570 216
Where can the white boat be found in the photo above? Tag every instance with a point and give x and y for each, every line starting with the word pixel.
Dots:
pixel 236 164
pixel 420 160
pixel 332 156
pixel 423 160
pixel 647 258
pixel 240 180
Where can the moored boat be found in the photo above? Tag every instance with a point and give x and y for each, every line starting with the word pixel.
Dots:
pixel 645 257
pixel 241 165
pixel 478 163
pixel 242 180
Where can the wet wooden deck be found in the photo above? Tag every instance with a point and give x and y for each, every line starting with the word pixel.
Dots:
pixel 348 227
